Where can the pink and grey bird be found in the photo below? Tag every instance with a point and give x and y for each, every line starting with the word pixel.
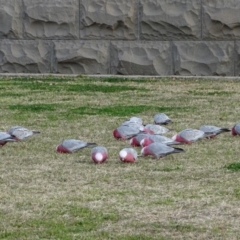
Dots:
pixel 212 131
pixel 157 138
pixel 125 132
pixel 135 141
pixel 73 145
pixel 235 129
pixel 21 133
pixel 136 120
pixel 189 136
pixel 5 137
pixel 156 129
pixel 99 154
pixel 128 155
pixel 159 150
pixel 133 124
pixel 161 119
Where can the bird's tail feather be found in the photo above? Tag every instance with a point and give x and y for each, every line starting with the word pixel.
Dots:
pixel 225 130
pixel 178 150
pixel 91 144
pixel 36 132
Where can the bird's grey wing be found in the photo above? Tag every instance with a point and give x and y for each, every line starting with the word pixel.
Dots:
pixel 159 149
pixel 21 133
pixel 209 129
pixel 141 136
pixel 192 134
pixel 161 118
pixel 99 149
pixel 73 144
pixel 237 127
pixel 136 120
pixel 128 131
pixel 159 138
pixel 5 136
pixel 10 131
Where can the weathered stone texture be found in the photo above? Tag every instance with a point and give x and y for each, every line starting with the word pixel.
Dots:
pixel 221 19
pixel 109 19
pixel 204 58
pixel 21 56
pixel 82 57
pixel 237 59
pixel 141 58
pixel 10 19
pixel 56 19
pixel 170 19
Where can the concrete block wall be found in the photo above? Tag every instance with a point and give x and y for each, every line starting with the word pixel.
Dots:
pixel 128 37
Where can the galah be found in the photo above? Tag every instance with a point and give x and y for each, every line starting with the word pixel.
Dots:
pixel 128 155
pixel 21 133
pixel 157 138
pixel 125 132
pixel 73 145
pixel 156 129
pixel 99 154
pixel 161 119
pixel 189 136
pixel 133 124
pixel 5 137
pixel 135 141
pixel 136 120
pixel 235 129
pixel 212 131
pixel 159 150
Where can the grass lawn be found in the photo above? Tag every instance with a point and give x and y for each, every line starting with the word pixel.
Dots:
pixel 47 195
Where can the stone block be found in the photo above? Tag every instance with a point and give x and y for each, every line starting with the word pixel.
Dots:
pixel 141 58
pixel 10 19
pixel 25 56
pixel 204 58
pixel 82 57
pixel 109 19
pixel 170 19
pixel 237 59
pixel 221 19
pixel 56 19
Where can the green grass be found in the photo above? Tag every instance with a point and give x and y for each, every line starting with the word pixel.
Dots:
pixel 61 223
pixel 46 195
pixel 233 166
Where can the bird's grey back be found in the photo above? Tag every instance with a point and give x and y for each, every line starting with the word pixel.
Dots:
pixel 128 131
pixel 4 136
pixel 73 144
pixel 160 148
pixel 192 134
pixel 161 118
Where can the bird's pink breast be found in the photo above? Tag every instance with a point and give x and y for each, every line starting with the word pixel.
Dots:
pixel 129 158
pixel 62 149
pixel 234 132
pixel 182 140
pixel 134 142
pixel 104 157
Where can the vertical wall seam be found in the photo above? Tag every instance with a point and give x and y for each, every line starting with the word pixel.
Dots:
pixel 23 18
pixel 172 57
pixel 110 57
pixel 234 57
pixel 138 21
pixel 79 18
pixel 51 56
pixel 201 20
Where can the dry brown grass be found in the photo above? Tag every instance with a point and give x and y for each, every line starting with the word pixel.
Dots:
pixel 46 195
